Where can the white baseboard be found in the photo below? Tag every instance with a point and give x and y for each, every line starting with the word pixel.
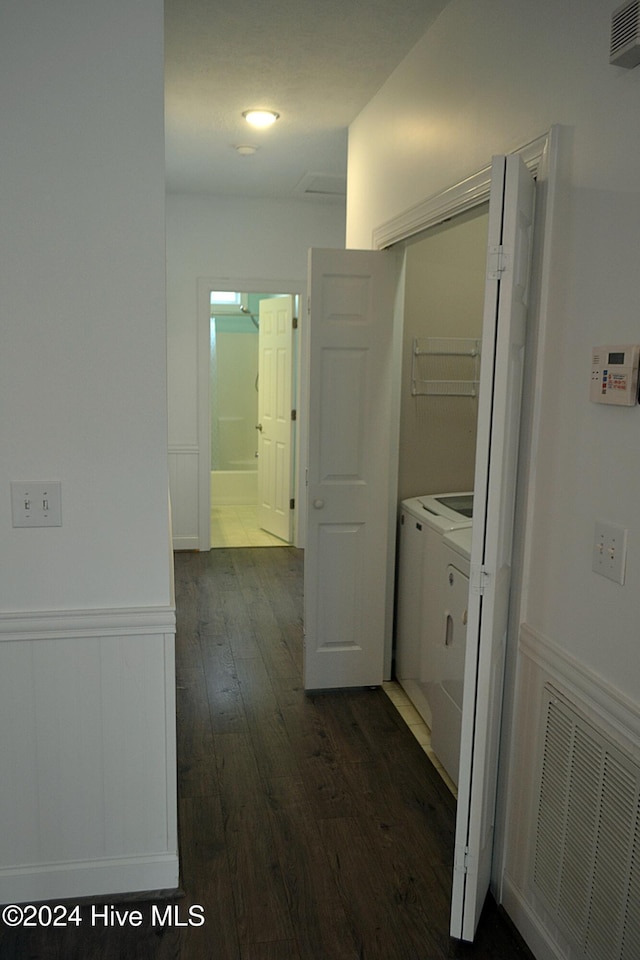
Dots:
pixel 528 924
pixel 96 878
pixel 186 543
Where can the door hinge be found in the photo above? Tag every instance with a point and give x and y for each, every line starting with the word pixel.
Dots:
pixel 462 860
pixel 294 323
pixel 292 504
pixel 478 579
pixel 496 262
pixel 294 414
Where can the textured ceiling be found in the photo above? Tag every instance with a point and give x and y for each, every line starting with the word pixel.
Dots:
pixel 317 62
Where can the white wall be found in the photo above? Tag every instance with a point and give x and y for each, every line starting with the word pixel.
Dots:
pixel 433 124
pixel 444 292
pixel 82 273
pixel 234 407
pixel 488 77
pixel 83 400
pixel 225 237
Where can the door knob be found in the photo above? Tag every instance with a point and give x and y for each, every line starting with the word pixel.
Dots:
pixel 259 427
pixel 318 504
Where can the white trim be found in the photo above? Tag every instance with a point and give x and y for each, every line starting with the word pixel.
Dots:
pixel 530 926
pixel 449 203
pixel 89 878
pixel 595 694
pixel 248 285
pixel 186 543
pixel 65 624
pixel 544 255
pixel 184 449
pixel 544 233
pixel 183 486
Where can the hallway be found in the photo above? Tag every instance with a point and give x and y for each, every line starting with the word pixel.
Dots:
pixel 311 827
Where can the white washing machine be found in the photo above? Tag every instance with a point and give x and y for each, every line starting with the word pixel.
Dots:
pixel 445 685
pixel 423 522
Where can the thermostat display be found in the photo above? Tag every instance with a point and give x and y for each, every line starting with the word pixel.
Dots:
pixel 614 374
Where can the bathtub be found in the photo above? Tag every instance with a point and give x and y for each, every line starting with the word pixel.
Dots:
pixel 239 486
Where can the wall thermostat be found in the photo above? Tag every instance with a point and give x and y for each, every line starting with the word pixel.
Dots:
pixel 614 374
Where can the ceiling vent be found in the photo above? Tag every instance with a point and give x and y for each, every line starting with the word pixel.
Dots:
pixel 625 35
pixel 322 186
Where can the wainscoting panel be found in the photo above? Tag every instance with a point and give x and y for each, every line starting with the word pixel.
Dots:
pixel 184 463
pixel 87 752
pixel 572 874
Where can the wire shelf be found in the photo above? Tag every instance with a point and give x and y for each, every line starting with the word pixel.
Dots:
pixel 445 367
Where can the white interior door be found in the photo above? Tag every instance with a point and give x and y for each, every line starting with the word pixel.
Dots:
pixel 275 423
pixel 509 246
pixel 351 469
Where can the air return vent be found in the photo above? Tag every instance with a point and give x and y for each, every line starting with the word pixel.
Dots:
pixel 587 845
pixel 321 185
pixel 625 38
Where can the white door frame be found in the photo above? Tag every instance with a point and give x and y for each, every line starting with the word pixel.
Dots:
pixel 460 198
pixel 298 288
pixel 541 156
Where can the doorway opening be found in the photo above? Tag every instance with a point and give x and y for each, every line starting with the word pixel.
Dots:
pixel 251 439
pixel 445 281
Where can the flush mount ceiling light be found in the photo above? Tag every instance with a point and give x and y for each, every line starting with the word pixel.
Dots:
pixel 260 118
pixel 246 149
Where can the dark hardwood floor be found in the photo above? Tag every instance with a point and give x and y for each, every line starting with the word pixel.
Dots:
pixel 311 827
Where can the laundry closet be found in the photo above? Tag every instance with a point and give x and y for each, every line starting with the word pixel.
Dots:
pixel 444 296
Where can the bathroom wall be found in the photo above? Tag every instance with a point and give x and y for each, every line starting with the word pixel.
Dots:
pixel 443 298
pixel 234 393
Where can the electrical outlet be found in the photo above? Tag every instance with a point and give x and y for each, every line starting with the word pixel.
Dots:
pixel 610 551
pixel 36 503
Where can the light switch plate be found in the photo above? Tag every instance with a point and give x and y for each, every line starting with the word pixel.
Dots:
pixel 610 551
pixel 36 503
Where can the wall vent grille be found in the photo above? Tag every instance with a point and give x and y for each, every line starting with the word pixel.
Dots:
pixel 587 845
pixel 624 50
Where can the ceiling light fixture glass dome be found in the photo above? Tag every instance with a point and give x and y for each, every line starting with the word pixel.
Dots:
pixel 260 118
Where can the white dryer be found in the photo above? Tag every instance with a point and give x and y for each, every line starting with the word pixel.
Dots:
pixel 444 687
pixel 423 522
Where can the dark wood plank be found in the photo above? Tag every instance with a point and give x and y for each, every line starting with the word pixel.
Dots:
pixel 305 721
pixel 343 727
pixel 381 902
pixel 317 912
pixel 195 735
pixel 266 724
pixel 280 950
pixel 328 792
pixel 260 897
pixel 223 688
pixel 206 881
pixel 238 626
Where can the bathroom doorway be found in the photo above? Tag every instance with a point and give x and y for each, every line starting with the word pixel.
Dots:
pixel 238 381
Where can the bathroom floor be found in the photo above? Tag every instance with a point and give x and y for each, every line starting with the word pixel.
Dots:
pixel 237 526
